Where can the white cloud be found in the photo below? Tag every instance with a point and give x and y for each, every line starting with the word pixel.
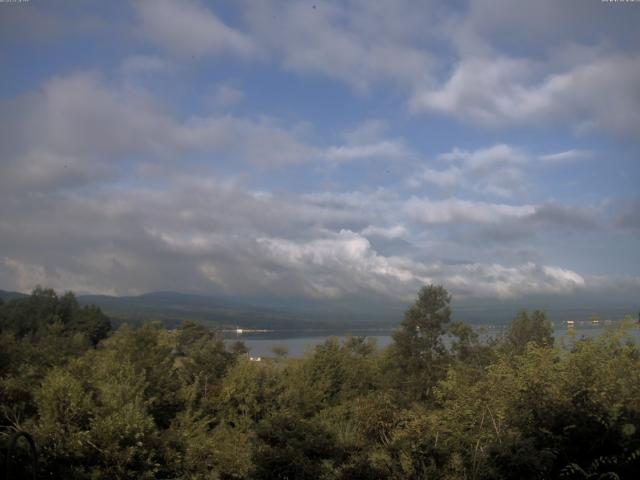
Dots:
pixel 497 170
pixel 25 276
pixel 201 232
pixel 113 187
pixel 395 231
pixel 487 91
pixel 495 280
pixel 261 142
pixel 446 179
pixel 368 131
pixel 567 156
pixel 545 25
pixel 77 128
pixel 486 158
pixel 338 265
pixel 38 169
pixel 367 141
pixel 500 170
pixel 378 204
pixel 345 263
pixel 488 83
pixel 453 210
pixel 188 28
pixel 499 91
pixel 382 149
pixel 360 43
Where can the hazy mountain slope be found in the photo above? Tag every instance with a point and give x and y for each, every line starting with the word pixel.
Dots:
pixel 8 295
pixel 356 311
pixel 172 308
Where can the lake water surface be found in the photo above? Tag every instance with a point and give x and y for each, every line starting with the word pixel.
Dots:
pixel 299 342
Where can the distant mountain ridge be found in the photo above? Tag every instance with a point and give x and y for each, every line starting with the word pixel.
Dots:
pixel 228 311
pixel 221 310
pixel 9 295
pixel 171 308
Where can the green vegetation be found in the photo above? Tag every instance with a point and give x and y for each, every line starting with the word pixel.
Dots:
pixel 152 403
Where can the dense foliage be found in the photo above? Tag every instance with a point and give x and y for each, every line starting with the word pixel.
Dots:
pixel 437 403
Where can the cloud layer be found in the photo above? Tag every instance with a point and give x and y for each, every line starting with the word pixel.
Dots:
pixel 329 150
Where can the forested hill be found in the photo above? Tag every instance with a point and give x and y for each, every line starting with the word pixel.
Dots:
pixel 172 308
pixel 227 311
pixel 44 313
pixel 150 403
pixel 221 310
pixel 7 295
pixel 364 311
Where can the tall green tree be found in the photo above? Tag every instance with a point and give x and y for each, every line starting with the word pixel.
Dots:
pixel 418 350
pixel 44 313
pixel 525 328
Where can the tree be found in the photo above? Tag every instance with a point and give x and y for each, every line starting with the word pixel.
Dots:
pixel 205 360
pixel 44 313
pixel 418 349
pixel 527 328
pixel 292 447
pixel 90 321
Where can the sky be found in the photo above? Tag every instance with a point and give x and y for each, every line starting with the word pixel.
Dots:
pixel 324 150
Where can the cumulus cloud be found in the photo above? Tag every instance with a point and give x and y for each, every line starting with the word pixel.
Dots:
pixel 543 66
pixel 454 210
pixel 355 42
pixel 502 91
pixel 481 80
pixel 500 170
pixel 542 27
pixel 77 129
pixel 566 216
pixel 445 179
pixel 486 158
pixel 333 266
pixel 42 170
pixel 497 170
pixel 189 28
pixel 542 220
pixel 219 235
pixel 346 264
pixel 383 149
pixel 495 280
pixel 368 141
pixel 110 187
pixel 24 276
pixel 208 233
pixel 395 231
pixel 471 223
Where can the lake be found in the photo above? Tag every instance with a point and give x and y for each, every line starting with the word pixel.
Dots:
pixel 299 342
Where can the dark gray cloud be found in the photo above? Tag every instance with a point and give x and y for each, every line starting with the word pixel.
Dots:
pixel 628 215
pixel 545 220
